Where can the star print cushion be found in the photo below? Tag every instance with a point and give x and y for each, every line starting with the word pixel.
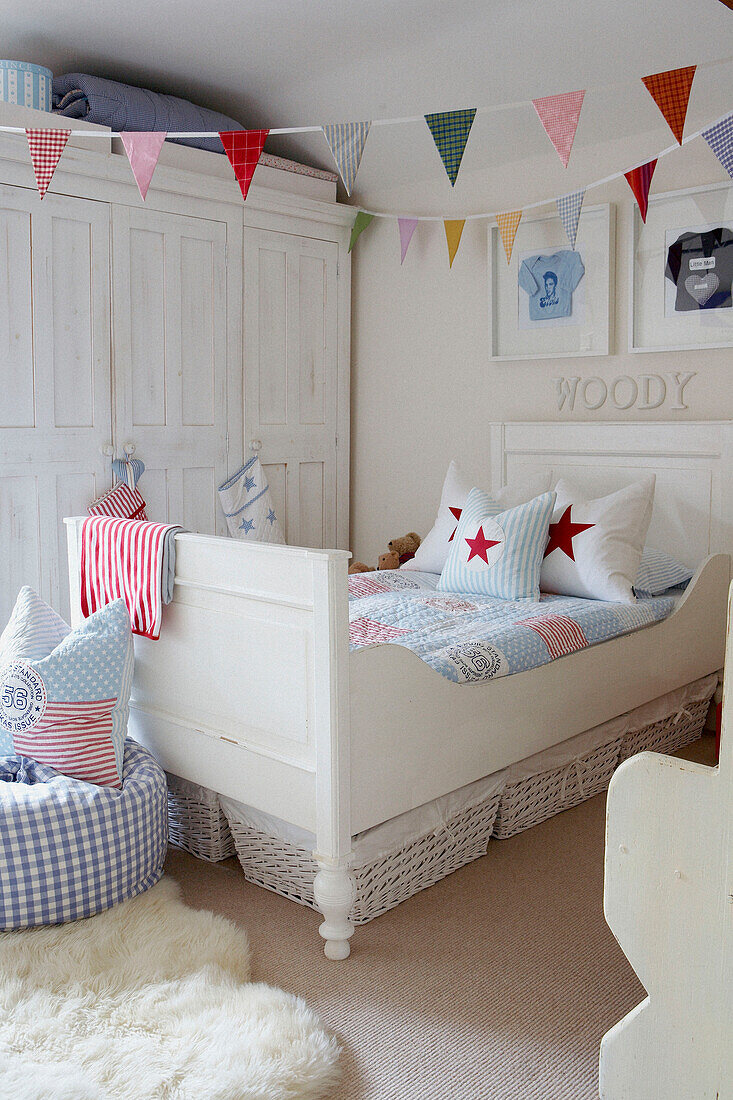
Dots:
pixel 70 709
pixel 247 504
pixel 498 554
pixel 595 546
pixel 33 631
pixel 432 553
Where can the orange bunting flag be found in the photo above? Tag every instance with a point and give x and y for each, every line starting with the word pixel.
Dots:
pixel 508 225
pixel 640 180
pixel 46 147
pixel 559 115
pixel 453 230
pixel 243 147
pixel 671 93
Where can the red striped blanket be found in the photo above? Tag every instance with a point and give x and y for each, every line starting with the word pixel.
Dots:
pixel 132 560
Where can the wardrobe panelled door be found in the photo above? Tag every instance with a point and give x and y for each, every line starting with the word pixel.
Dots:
pixel 122 329
pixel 169 305
pixel 55 395
pixel 291 370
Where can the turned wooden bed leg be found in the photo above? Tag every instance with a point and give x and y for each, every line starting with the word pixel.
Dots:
pixel 333 888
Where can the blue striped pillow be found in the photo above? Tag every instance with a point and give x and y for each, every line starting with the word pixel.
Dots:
pixel 498 553
pixel 658 572
pixel 33 631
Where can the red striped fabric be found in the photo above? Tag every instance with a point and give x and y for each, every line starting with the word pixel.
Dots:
pixel 560 634
pixel 122 501
pixel 364 632
pixel 75 739
pixel 123 559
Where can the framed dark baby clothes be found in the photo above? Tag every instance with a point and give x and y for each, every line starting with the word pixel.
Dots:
pixel 700 266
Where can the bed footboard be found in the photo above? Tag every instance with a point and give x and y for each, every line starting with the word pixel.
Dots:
pixel 247 691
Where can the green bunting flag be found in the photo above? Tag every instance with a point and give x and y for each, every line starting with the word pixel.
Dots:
pixel 361 221
pixel 450 132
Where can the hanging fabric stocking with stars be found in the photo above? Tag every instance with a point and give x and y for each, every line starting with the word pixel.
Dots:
pixel 247 504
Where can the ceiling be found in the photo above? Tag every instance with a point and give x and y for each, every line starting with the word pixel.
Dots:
pixel 274 63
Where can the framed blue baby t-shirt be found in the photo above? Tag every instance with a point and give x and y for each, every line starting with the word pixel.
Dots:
pixel 549 281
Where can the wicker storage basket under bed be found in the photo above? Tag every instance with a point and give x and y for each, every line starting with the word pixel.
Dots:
pixel 196 821
pixel 382 882
pixel 664 725
pixel 669 733
pixel 528 800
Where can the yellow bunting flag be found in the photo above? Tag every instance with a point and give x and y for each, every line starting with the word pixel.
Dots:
pixel 508 225
pixel 453 231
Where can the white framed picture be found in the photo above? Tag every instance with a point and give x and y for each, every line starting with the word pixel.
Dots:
pixel 552 301
pixel 682 271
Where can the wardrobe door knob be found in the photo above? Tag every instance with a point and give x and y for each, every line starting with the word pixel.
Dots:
pixel 129 449
pixel 255 445
pixel 107 450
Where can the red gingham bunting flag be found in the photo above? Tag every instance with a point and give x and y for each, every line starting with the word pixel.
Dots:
pixel 671 93
pixel 639 180
pixel 46 147
pixel 243 147
pixel 559 115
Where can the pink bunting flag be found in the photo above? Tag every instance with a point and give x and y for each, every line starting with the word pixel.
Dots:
pixel 244 148
pixel 640 180
pixel 46 147
pixel 407 227
pixel 143 150
pixel 559 115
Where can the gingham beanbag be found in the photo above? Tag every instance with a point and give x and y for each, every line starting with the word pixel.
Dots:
pixel 69 849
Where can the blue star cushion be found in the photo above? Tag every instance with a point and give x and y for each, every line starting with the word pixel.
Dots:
pixel 498 553
pixel 70 710
pixel 33 631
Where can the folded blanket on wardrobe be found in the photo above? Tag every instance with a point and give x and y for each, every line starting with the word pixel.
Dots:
pixel 130 560
pixel 124 107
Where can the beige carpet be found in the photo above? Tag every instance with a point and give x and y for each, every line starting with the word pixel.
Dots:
pixel 495 984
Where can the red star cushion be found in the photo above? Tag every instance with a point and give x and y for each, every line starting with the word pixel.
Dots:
pixel 481 545
pixel 563 532
pixel 433 551
pixel 595 545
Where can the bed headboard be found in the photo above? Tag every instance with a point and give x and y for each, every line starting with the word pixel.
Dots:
pixel 693 463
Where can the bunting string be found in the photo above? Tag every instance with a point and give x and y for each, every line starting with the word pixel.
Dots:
pixel 450 130
pixel 719 124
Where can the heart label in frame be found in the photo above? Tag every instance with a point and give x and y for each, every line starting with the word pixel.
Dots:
pixel 702 287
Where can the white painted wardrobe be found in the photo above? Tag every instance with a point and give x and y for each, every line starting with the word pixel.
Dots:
pixel 193 328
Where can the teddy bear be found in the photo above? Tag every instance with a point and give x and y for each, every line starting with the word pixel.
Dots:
pixel 399 551
pixel 359 567
pixel 390 560
pixel 405 546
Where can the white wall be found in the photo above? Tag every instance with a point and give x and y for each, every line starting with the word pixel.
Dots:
pixel 424 387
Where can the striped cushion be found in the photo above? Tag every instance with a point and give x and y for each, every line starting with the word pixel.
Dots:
pixel 122 501
pixel 658 572
pixel 70 709
pixel 33 631
pixel 498 553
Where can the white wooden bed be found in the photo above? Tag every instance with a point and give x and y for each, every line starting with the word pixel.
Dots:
pixel 252 692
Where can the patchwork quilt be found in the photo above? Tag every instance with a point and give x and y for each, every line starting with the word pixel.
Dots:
pixel 472 638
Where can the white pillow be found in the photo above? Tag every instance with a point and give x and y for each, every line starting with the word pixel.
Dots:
pixel 432 553
pixel 595 546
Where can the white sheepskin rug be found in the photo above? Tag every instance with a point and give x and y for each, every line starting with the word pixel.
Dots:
pixel 151 1001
